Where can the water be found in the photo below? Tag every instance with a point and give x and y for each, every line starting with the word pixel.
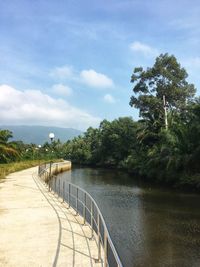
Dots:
pixel 149 226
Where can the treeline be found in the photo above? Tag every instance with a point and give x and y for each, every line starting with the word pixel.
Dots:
pixel 12 151
pixel 164 145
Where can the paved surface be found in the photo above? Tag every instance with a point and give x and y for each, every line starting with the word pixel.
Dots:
pixel 36 229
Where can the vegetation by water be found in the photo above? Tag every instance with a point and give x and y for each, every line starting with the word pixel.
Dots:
pixel 164 145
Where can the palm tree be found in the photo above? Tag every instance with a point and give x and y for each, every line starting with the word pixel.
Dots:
pixel 7 150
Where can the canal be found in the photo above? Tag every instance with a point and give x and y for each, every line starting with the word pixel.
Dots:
pixel 149 226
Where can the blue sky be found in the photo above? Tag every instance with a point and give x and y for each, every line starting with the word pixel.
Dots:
pixel 68 63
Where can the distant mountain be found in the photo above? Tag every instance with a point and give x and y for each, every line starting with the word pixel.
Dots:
pixel 40 134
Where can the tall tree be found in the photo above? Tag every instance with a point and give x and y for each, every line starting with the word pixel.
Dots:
pixel 166 78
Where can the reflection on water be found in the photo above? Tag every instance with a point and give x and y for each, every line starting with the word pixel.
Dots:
pixel 148 226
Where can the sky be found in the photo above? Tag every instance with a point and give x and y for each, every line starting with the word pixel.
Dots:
pixel 68 63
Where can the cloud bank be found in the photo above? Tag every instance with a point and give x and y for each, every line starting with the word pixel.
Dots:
pixel 32 107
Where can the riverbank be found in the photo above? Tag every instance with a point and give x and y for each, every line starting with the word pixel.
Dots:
pixel 48 170
pixel 185 183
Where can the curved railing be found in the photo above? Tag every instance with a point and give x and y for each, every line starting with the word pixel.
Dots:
pixel 83 203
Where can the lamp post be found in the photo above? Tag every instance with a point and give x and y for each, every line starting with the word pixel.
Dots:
pixel 51 136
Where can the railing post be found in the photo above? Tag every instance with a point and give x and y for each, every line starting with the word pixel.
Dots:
pixel 58 187
pixel 56 168
pixel 50 169
pixel 105 248
pixel 55 185
pixel 99 236
pixel 77 201
pixel 63 193
pixel 91 221
pixel 69 196
pixel 49 183
pixel 84 210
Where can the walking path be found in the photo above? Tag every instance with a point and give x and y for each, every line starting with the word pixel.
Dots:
pixel 36 229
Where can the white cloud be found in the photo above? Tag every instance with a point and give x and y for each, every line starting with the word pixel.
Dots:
pixel 89 77
pixel 95 79
pixel 32 107
pixel 61 89
pixel 144 49
pixel 62 73
pixel 109 99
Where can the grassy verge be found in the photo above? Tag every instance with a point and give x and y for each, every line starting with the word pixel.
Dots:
pixel 5 169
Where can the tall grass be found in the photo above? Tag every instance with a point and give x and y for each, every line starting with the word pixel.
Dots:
pixel 7 168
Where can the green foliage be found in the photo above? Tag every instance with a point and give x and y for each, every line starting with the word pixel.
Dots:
pixel 168 156
pixel 7 149
pixel 18 151
pixel 145 147
pixel 110 144
pixel 165 78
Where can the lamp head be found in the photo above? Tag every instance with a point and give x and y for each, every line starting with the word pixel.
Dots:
pixel 51 136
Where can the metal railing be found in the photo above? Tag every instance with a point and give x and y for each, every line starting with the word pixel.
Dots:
pixel 84 205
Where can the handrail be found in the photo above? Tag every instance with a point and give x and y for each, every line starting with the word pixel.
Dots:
pixel 79 199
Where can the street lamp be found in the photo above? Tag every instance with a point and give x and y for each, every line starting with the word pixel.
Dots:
pixel 51 136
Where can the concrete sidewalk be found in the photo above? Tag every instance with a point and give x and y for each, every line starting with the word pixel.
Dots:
pixel 36 229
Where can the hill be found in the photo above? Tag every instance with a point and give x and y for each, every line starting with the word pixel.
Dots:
pixel 40 134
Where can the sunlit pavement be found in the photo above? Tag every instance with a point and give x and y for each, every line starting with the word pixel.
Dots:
pixel 37 229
